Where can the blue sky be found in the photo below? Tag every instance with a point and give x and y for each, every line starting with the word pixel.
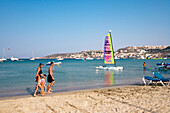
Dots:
pixel 60 26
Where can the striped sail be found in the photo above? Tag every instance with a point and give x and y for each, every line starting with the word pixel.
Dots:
pixel 108 50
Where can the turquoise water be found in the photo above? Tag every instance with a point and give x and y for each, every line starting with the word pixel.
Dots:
pixel 17 78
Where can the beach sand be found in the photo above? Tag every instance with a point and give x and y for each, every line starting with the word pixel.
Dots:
pixel 132 99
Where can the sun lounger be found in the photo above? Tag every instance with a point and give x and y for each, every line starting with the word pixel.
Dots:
pixel 150 79
pixel 161 78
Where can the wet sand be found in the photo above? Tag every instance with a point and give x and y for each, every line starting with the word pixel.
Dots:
pixel 133 99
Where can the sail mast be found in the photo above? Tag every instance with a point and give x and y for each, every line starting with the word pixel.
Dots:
pixel 112 47
pixel 4 55
pixel 32 54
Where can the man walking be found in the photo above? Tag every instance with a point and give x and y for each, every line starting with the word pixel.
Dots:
pixel 50 78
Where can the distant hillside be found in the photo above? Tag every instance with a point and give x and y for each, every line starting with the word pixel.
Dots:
pixel 140 52
pixel 87 53
pixel 148 49
pixel 145 51
pixel 166 50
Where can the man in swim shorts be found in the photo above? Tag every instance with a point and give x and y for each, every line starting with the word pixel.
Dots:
pixel 50 78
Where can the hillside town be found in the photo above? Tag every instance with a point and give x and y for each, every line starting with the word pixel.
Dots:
pixel 130 52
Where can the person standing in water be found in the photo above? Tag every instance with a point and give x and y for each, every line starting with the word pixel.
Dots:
pixel 50 78
pixel 38 79
pixel 144 65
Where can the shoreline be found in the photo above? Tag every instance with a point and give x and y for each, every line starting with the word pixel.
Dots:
pixel 128 98
pixel 30 91
pixel 18 96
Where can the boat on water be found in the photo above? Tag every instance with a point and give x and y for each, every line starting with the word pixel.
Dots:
pixel 98 58
pixel 3 58
pixel 60 58
pixel 89 58
pixel 77 58
pixel 163 66
pixel 109 58
pixel 55 63
pixel 32 58
pixel 14 59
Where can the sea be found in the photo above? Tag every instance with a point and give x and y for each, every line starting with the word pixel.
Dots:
pixel 18 77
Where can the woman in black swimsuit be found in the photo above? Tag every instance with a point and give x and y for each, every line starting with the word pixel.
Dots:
pixel 38 79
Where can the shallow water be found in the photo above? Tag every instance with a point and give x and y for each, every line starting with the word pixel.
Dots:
pixel 17 78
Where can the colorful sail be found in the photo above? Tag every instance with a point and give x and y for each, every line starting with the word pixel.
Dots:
pixel 83 57
pixel 108 50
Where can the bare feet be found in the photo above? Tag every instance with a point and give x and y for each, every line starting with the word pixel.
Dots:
pixel 49 92
pixel 34 95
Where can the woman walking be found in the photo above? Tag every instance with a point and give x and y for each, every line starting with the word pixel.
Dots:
pixel 38 79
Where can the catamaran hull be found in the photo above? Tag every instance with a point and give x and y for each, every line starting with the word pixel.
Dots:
pixel 109 68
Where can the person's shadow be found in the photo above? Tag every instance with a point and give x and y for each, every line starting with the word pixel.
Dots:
pixel 31 92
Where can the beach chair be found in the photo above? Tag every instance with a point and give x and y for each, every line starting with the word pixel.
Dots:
pixel 161 78
pixel 150 79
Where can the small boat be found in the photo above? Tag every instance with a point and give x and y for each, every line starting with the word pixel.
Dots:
pixel 14 59
pixel 32 58
pixel 3 58
pixel 60 58
pixel 98 58
pixel 88 58
pixel 109 55
pixel 160 63
pixel 163 66
pixel 55 63
pixel 77 58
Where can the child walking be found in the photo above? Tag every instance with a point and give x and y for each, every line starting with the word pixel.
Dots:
pixel 43 84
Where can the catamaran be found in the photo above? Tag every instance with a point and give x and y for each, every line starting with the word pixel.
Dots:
pixel 32 58
pixel 14 59
pixel 109 55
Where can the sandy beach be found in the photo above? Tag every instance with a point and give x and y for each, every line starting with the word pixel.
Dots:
pixel 134 99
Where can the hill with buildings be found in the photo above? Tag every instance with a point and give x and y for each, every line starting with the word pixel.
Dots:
pixel 135 52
